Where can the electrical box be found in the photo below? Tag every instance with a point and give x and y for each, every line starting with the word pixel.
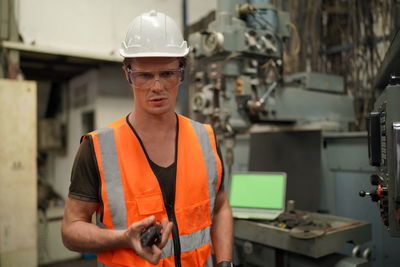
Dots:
pixel 51 134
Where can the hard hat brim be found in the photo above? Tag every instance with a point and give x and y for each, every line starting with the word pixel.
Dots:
pixel 153 54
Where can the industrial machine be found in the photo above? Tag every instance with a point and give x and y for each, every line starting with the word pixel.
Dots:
pixel 270 122
pixel 237 84
pixel 237 79
pixel 384 141
pixel 314 240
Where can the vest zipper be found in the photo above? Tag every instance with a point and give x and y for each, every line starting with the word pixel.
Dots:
pixel 175 231
pixel 175 235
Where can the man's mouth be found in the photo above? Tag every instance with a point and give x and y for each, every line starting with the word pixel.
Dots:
pixel 157 99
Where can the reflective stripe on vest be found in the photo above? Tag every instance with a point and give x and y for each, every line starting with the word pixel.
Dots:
pixel 188 242
pixel 112 177
pixel 115 193
pixel 211 162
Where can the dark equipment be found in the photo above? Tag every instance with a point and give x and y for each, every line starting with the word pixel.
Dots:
pixel 384 141
pixel 151 236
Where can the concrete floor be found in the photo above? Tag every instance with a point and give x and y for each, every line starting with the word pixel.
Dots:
pixel 74 263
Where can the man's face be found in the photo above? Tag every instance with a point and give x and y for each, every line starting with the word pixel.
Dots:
pixel 154 92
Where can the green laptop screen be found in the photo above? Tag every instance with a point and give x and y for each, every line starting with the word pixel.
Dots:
pixel 258 190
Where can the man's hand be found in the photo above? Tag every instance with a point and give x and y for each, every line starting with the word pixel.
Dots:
pixel 79 234
pixel 153 253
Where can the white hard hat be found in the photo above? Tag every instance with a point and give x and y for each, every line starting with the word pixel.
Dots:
pixel 153 34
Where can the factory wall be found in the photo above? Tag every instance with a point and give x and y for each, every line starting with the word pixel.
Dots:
pixel 73 121
pixel 105 103
pixel 112 108
pixel 92 26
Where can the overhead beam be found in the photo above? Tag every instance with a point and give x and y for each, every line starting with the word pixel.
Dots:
pixel 58 51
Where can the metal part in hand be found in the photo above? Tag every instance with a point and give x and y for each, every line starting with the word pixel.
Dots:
pixel 151 236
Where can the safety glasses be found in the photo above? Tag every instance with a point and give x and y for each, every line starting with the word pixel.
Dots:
pixel 146 79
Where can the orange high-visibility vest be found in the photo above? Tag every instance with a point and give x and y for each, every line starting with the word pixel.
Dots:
pixel 130 191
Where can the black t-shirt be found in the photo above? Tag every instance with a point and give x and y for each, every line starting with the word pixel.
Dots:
pixel 85 177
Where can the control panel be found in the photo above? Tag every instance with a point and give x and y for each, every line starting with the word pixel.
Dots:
pixel 384 153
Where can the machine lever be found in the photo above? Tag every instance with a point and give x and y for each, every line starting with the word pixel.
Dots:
pixel 373 194
pixel 269 91
pixel 256 106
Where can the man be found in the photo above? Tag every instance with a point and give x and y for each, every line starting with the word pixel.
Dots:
pixel 152 165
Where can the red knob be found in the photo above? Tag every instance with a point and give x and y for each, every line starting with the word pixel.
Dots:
pixel 379 191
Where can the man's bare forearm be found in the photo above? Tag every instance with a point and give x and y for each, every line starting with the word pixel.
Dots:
pixel 79 234
pixel 84 236
pixel 222 229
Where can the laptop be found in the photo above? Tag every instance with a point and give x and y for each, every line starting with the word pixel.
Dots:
pixel 258 195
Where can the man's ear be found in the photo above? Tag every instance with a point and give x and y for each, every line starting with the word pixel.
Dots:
pixel 127 76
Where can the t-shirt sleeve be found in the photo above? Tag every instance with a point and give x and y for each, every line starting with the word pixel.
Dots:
pixel 222 165
pixel 85 178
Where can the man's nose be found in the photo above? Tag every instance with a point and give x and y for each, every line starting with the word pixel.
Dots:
pixel 157 83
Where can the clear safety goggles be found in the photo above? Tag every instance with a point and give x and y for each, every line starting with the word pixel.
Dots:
pixel 146 79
